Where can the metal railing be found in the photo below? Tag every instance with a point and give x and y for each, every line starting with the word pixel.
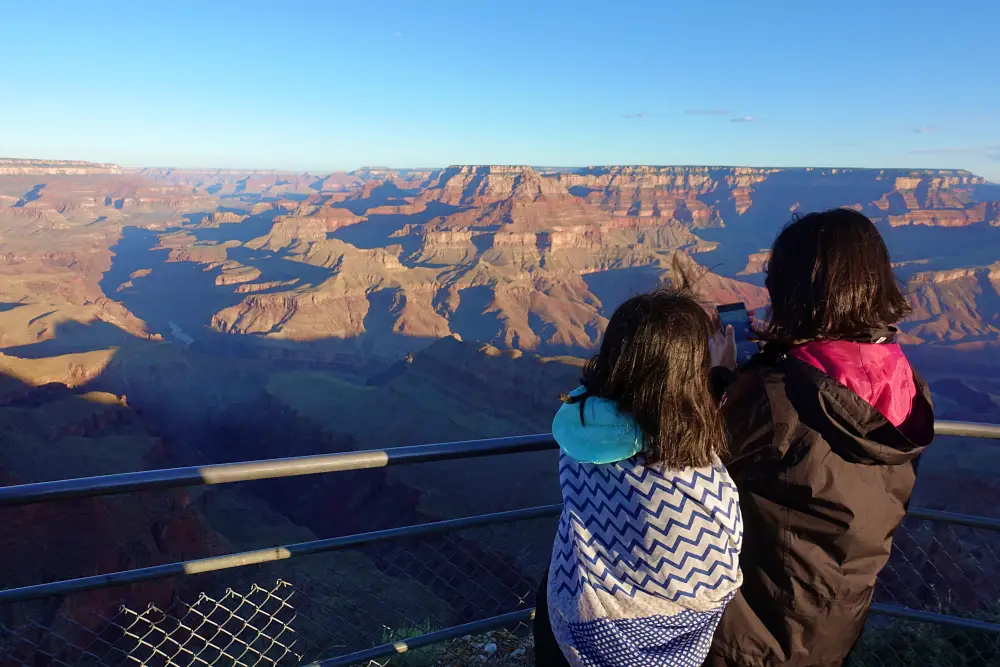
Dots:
pixel 911 597
pixel 226 473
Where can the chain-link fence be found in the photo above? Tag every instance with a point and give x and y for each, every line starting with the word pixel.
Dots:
pixel 250 628
pixel 942 567
pixel 908 643
pixel 313 607
pixel 338 603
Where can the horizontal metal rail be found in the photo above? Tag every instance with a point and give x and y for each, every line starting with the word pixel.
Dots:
pixel 428 639
pixel 224 473
pixel 967 429
pixel 275 468
pixel 951 518
pixel 242 559
pixel 245 558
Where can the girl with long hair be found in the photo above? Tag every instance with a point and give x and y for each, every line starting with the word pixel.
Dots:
pixel 646 555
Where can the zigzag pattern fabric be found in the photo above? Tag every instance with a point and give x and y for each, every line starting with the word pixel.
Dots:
pixel 644 562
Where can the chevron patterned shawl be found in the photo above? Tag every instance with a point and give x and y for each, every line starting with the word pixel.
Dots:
pixel 645 558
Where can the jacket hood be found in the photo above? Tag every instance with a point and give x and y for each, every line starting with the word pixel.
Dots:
pixel 870 404
pixel 603 435
pixel 878 373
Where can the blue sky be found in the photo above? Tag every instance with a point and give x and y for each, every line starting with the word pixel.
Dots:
pixel 332 85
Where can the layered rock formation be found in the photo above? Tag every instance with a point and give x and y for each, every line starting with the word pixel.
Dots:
pixel 494 253
pixel 956 305
pixel 21 167
pixel 381 260
pixel 962 216
pixel 670 192
pixel 530 259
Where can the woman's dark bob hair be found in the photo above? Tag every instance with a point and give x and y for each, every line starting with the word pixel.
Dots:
pixel 654 363
pixel 830 276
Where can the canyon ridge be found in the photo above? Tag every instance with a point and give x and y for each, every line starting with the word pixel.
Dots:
pixel 160 317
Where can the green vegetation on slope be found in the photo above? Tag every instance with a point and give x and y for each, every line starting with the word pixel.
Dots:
pixel 415 411
pixel 450 391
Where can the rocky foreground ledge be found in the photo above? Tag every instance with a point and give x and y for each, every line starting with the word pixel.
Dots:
pixel 497 647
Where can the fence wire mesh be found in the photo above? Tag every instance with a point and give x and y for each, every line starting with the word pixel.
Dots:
pixel 905 643
pixel 944 568
pixel 311 608
pixel 338 603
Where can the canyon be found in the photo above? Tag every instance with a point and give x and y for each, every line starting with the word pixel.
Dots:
pixel 110 276
pixel 158 317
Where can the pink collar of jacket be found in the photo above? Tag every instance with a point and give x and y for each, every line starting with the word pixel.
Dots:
pixel 878 373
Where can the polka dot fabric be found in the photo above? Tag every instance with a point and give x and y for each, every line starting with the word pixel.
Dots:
pixel 682 640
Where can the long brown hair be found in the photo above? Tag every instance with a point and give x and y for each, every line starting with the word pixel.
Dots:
pixel 830 276
pixel 654 364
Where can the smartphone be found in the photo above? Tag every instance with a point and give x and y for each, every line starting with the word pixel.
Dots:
pixel 736 316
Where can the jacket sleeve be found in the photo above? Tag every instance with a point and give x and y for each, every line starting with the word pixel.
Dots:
pixel 750 424
pixel 719 379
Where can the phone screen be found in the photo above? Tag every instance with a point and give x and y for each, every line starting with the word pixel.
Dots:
pixel 736 316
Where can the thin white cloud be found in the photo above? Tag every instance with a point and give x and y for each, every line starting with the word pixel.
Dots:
pixel 947 150
pixel 743 119
pixel 397 34
pixel 641 114
pixel 924 129
pixel 707 112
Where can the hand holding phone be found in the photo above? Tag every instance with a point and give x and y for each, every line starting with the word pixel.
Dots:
pixel 722 348
pixel 735 315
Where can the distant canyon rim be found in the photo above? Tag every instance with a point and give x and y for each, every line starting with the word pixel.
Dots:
pixel 382 262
